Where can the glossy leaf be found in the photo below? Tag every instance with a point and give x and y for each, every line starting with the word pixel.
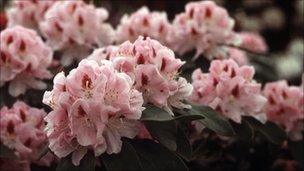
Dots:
pixel 86 163
pixel 271 131
pixel 163 132
pixel 126 160
pixel 155 157
pixel 210 119
pixel 183 145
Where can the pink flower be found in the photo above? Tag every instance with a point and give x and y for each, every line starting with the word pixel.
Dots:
pixel 22 131
pixel 28 13
pixel 285 107
pixel 153 68
pixel 143 23
pixel 93 107
pixel 230 90
pixel 203 26
pixel 24 60
pixel 75 28
pixel 238 56
pixel 253 42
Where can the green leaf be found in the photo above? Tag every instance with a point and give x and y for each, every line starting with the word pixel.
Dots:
pixel 43 152
pixel 5 152
pixel 183 145
pixel 153 113
pixel 210 119
pixel 271 131
pixel 155 157
pixel 163 132
pixel 126 160
pixel 86 163
pixel 297 151
pixel 243 131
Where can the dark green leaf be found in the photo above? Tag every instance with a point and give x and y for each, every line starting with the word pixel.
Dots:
pixel 183 145
pixel 153 113
pixel 297 151
pixel 43 151
pixel 211 119
pixel 271 131
pixel 126 160
pixel 5 152
pixel 163 132
pixel 156 157
pixel 86 163
pixel 243 131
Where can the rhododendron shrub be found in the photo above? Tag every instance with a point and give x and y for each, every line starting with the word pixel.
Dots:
pixel 229 89
pixel 285 107
pixel 154 69
pixel 121 98
pixel 93 107
pixel 143 23
pixel 28 13
pixel 22 131
pixel 253 42
pixel 24 60
pixel 203 26
pixel 75 28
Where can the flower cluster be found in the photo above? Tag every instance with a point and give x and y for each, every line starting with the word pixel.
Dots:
pixel 153 68
pixel 74 28
pixel 253 42
pixel 143 23
pixel 93 107
pixel 204 26
pixel 230 90
pixel 285 107
pixel 24 59
pixel 22 130
pixel 28 13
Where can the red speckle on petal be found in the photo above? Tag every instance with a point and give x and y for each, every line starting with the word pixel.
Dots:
pixel 271 100
pixel 86 82
pixel 81 112
pixel 233 73
pixel 215 82
pixel 10 127
pixel 9 40
pixel 219 109
pixel 80 21
pixel 146 22
pixel 22 46
pixel 58 27
pixel 208 13
pixel 28 142
pixel 163 65
pixel 284 94
pixel 22 115
pixel 131 32
pixel 194 32
pixel 140 59
pixel 199 94
pixel 144 79
pixel 226 68
pixel 4 58
pixel 73 8
pixel 191 13
pixel 235 91
pixel 161 28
